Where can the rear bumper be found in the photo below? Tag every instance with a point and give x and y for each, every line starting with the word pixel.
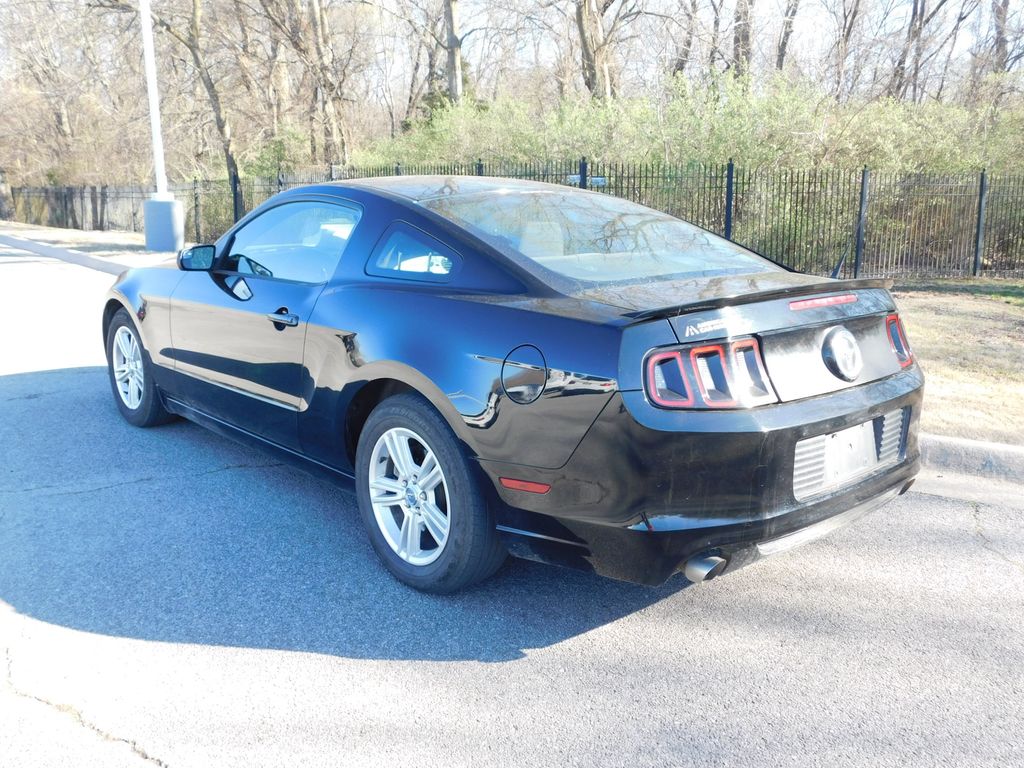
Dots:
pixel 646 490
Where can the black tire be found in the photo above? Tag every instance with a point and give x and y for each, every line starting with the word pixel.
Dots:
pixel 473 549
pixel 150 410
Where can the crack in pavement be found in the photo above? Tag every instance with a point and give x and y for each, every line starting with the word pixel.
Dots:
pixel 136 481
pixel 32 396
pixel 77 715
pixel 986 542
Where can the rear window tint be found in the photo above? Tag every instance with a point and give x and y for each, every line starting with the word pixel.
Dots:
pixel 593 238
pixel 406 253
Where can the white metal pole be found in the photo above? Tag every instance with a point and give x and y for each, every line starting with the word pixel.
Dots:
pixel 149 57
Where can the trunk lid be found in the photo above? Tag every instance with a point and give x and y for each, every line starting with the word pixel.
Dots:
pixel 793 316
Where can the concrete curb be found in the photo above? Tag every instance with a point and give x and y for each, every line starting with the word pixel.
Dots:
pixel 972 457
pixel 64 254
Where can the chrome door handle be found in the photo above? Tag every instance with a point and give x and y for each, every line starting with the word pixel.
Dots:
pixel 285 318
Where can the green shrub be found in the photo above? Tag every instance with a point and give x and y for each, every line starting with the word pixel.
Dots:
pixel 783 125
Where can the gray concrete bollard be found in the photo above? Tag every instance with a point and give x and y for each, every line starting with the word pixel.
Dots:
pixel 164 222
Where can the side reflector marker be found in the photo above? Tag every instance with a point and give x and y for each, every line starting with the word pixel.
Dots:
pixel 524 485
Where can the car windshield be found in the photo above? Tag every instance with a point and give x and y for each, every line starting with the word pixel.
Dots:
pixel 595 238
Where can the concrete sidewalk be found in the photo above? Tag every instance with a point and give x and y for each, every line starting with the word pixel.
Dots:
pixel 114 252
pixel 111 252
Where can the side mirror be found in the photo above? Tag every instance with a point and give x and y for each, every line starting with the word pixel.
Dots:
pixel 198 258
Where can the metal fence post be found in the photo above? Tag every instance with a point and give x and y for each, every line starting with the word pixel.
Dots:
pixel 72 213
pixel 979 232
pixel 862 219
pixel 786 219
pixel 197 211
pixel 730 197
pixel 236 196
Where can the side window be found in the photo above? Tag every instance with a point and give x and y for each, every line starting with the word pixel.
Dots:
pixel 300 241
pixel 413 255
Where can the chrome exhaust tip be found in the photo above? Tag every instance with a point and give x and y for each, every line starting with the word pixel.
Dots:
pixel 703 568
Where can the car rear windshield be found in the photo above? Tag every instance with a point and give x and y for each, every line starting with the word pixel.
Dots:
pixel 595 238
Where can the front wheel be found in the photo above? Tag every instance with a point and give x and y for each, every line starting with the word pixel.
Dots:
pixel 131 378
pixel 420 501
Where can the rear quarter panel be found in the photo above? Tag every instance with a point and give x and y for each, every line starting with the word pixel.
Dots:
pixel 452 348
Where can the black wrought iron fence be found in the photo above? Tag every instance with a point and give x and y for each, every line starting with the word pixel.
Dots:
pixel 805 219
pixel 873 224
pixel 1001 227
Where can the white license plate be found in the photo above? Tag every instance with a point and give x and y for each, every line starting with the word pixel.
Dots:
pixel 825 462
pixel 850 453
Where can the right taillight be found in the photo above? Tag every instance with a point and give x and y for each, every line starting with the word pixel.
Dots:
pixel 898 340
pixel 726 375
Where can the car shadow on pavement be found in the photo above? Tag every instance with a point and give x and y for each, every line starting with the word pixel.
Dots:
pixel 175 534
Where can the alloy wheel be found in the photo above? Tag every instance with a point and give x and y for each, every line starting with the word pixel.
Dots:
pixel 127 364
pixel 409 495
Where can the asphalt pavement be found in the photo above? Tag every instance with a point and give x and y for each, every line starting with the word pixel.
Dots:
pixel 168 597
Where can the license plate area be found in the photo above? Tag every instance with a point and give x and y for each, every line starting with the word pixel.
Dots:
pixel 826 462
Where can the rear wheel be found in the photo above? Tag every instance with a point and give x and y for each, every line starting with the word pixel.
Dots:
pixel 420 501
pixel 131 378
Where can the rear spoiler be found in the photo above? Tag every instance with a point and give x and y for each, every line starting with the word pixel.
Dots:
pixel 830 286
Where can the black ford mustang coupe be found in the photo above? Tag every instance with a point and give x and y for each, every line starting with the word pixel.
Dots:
pixel 504 366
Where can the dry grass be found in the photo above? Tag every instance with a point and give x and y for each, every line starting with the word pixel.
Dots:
pixel 968 335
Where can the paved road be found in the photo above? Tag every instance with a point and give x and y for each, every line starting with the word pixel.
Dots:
pixel 168 597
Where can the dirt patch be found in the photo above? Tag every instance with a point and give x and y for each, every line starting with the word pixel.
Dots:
pixel 968 336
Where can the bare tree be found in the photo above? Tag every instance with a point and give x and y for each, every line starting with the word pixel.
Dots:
pixel 1007 37
pixel 741 51
pixel 907 71
pixel 453 47
pixel 307 29
pixel 594 50
pixel 788 17
pixel 715 52
pixel 685 49
pixel 424 28
pixel 252 83
pixel 847 15
pixel 1000 42
pixel 190 36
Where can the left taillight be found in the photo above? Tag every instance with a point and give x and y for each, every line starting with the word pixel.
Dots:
pixel 898 340
pixel 725 375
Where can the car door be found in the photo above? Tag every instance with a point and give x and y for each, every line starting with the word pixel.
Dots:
pixel 406 256
pixel 238 331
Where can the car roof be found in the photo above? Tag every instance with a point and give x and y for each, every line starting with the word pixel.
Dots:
pixel 420 188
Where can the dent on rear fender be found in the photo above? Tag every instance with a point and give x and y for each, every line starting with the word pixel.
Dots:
pixel 542 433
pixel 531 416
pixel 452 350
